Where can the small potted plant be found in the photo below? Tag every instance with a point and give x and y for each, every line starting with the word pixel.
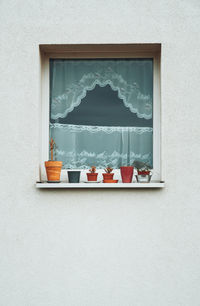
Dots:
pixel 143 172
pixel 108 175
pixel 126 174
pixel 53 167
pixel 92 175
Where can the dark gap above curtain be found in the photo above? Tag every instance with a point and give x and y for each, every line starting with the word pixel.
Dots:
pixel 103 107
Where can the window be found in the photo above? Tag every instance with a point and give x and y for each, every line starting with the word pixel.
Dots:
pixel 101 105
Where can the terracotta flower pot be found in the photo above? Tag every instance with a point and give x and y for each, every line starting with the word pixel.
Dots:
pixel 92 176
pixel 110 181
pixel 108 176
pixel 126 174
pixel 53 170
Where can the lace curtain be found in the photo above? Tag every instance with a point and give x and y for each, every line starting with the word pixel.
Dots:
pixel 80 146
pixel 71 79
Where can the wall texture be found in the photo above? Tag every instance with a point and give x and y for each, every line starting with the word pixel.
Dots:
pixel 89 247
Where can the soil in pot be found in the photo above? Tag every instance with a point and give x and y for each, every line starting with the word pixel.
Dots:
pixel 92 176
pixel 74 176
pixel 108 176
pixel 126 174
pixel 53 170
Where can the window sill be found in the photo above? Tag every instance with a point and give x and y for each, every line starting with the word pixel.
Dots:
pixel 153 184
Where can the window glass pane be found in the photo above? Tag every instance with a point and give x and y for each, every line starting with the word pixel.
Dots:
pixel 101 111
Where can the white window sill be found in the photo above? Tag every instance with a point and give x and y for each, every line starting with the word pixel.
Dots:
pixel 153 184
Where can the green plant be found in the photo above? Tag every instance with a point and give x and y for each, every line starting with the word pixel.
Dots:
pixel 93 169
pixel 141 166
pixel 108 169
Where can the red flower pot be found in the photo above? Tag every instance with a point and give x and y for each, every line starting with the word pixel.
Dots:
pixel 92 176
pixel 107 176
pixel 126 174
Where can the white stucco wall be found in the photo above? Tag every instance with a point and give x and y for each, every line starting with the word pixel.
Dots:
pixel 99 247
